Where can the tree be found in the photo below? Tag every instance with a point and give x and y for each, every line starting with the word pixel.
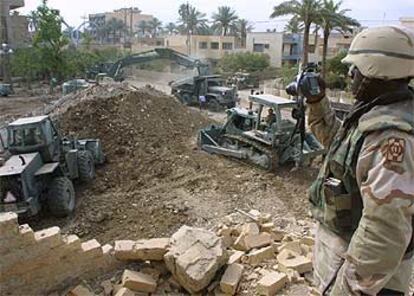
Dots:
pixel 171 28
pixel 242 27
pixel 143 27
pixel 306 12
pixel 154 26
pixel 244 61
pixel 49 41
pixel 26 63
pixel 294 26
pixel 116 28
pixel 224 20
pixel 191 21
pixel 332 17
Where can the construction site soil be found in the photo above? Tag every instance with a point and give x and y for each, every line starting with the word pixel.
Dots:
pixel 155 179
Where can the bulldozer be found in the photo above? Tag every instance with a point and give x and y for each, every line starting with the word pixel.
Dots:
pixel 41 167
pixel 270 133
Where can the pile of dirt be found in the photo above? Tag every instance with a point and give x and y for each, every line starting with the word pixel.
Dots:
pixel 155 179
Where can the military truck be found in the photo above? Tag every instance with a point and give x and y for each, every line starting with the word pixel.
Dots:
pixel 212 87
pixel 42 166
pixel 261 137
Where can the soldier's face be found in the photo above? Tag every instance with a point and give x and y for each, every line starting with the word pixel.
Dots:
pixel 357 82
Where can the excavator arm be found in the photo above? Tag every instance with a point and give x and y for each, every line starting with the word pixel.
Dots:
pixel 114 70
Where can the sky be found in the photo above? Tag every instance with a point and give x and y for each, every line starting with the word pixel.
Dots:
pixel 368 12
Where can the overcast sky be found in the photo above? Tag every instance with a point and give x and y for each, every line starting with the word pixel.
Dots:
pixel 368 12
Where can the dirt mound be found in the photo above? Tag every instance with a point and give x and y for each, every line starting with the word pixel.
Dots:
pixel 155 179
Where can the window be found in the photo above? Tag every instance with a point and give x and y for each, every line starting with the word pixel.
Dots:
pixel 267 46
pixel 202 45
pixel 257 47
pixel 214 45
pixel 227 45
pixel 312 48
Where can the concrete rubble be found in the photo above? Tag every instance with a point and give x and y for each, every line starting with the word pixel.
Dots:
pixel 238 257
pixel 233 258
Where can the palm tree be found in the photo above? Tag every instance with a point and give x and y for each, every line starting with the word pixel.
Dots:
pixel 171 28
pixel 115 27
pixel 191 21
pixel 306 12
pixel 154 26
pixel 294 26
pixel 224 20
pixel 333 18
pixel 143 27
pixel 242 27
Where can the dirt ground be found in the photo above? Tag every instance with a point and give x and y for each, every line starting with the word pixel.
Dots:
pixel 155 178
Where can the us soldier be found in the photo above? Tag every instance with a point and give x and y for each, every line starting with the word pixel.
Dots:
pixel 363 197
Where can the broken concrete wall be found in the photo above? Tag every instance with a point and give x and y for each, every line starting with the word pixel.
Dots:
pixel 39 262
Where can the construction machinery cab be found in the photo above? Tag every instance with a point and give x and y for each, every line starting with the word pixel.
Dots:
pixel 41 166
pixel 34 134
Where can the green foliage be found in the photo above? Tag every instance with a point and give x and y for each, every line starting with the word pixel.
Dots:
pixel 336 66
pixel 26 63
pixel 49 41
pixel 246 61
pixel 288 73
pixel 336 76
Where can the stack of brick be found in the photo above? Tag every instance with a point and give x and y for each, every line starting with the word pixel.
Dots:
pixel 282 259
pixel 35 263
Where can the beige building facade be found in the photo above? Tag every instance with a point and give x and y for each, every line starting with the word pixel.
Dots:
pixel 203 46
pixel 270 43
pixel 16 32
pixel 130 16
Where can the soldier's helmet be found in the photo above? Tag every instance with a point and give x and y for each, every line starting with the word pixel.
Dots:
pixel 383 52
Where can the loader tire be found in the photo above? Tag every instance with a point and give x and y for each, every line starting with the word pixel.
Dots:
pixel 61 197
pixel 86 166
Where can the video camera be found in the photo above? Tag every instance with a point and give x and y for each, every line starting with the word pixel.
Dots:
pixel 306 82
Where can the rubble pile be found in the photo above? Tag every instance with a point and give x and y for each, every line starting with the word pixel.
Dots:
pixel 252 257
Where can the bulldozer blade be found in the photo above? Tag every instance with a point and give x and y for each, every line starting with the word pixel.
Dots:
pixel 224 151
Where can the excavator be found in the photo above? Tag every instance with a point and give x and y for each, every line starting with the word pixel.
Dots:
pixel 115 70
pixel 188 90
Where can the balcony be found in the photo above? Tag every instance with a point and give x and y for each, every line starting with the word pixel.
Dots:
pixel 291 57
pixel 14 4
pixel 291 38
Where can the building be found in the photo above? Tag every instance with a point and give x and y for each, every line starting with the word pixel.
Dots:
pixel 16 32
pixel 407 22
pixel 131 17
pixel 337 42
pixel 203 46
pixel 292 49
pixel 269 43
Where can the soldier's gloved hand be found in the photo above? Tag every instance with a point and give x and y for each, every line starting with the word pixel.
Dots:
pixel 307 85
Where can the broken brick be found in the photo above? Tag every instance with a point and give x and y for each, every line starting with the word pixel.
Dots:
pixel 289 259
pixel 231 278
pixel 80 291
pixel 258 240
pixel 271 283
pixel 138 281
pixel 235 257
pixel 258 256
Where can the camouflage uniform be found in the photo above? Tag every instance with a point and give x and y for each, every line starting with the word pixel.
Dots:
pixel 364 194
pixel 365 231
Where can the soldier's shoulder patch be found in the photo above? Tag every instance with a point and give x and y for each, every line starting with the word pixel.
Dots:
pixel 394 149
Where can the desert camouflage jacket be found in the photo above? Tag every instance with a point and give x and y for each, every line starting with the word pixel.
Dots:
pixel 375 255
